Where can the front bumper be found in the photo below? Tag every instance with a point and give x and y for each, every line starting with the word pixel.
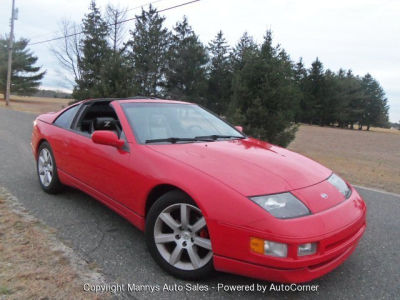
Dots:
pixel 290 275
pixel 334 246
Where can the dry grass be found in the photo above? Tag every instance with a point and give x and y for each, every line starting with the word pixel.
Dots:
pixel 36 105
pixel 366 158
pixel 385 130
pixel 32 263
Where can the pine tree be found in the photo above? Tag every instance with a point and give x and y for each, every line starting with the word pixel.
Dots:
pixel 246 47
pixel 350 104
pixel 315 93
pixel 95 53
pixel 300 77
pixel 147 50
pixel 375 103
pixel 220 75
pixel 333 102
pixel 116 77
pixel 25 77
pixel 265 96
pixel 187 59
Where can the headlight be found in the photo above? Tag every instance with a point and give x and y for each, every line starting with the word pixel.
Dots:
pixel 340 184
pixel 282 206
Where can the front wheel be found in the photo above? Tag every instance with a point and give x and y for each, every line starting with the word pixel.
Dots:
pixel 178 238
pixel 47 170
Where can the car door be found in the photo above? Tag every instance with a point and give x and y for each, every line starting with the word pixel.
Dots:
pixel 101 167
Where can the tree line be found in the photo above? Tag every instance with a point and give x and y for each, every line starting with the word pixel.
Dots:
pixel 256 85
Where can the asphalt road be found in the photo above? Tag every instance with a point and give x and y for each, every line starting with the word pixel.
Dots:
pixel 101 236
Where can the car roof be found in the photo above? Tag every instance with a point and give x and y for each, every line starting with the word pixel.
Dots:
pixel 137 99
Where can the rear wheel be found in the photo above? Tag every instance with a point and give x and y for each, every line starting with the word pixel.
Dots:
pixel 47 170
pixel 177 236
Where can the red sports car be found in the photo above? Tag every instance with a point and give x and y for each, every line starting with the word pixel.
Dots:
pixel 206 195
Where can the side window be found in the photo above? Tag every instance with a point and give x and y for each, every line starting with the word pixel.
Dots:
pixel 98 116
pixel 65 119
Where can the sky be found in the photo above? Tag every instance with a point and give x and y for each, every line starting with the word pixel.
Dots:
pixel 361 35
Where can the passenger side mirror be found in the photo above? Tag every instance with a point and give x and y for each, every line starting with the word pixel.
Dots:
pixel 240 128
pixel 106 137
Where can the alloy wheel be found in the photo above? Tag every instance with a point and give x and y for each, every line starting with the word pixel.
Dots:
pixel 45 167
pixel 181 237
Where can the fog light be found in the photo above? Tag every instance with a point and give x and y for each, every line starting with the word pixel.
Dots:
pixel 268 248
pixel 275 249
pixel 307 249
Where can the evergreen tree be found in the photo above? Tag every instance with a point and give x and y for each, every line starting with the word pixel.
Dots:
pixel 25 77
pixel 244 56
pixel 351 96
pixel 315 93
pixel 147 53
pixel 187 59
pixel 95 53
pixel 246 47
pixel 375 103
pixel 300 77
pixel 220 75
pixel 265 96
pixel 333 102
pixel 116 77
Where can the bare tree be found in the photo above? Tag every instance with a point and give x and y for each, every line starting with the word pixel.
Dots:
pixel 114 16
pixel 68 51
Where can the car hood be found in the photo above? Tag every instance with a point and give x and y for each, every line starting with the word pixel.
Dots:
pixel 249 166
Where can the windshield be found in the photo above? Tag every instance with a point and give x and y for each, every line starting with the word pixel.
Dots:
pixel 175 122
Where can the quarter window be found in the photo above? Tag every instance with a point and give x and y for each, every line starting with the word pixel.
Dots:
pixel 65 119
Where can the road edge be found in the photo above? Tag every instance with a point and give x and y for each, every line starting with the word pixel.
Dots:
pixel 376 190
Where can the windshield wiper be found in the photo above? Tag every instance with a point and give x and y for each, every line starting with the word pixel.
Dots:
pixel 205 138
pixel 215 137
pixel 172 140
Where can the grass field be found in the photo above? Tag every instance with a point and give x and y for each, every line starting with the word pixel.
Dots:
pixel 35 105
pixel 366 158
pixel 369 158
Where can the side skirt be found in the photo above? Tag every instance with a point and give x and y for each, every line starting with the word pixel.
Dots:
pixel 137 220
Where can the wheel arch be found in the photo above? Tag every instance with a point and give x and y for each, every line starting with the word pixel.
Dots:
pixel 159 190
pixel 39 143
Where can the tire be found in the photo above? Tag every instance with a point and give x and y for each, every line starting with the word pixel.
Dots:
pixel 47 170
pixel 182 248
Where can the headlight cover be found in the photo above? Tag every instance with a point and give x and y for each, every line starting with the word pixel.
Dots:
pixel 282 206
pixel 340 185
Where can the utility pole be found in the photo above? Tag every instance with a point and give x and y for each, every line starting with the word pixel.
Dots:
pixel 10 49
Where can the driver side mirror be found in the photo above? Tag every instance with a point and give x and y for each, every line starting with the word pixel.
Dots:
pixel 240 128
pixel 106 137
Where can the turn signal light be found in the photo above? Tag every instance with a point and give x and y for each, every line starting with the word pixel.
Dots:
pixel 268 247
pixel 257 245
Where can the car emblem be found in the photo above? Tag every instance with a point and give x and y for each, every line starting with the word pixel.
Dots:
pixel 325 196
